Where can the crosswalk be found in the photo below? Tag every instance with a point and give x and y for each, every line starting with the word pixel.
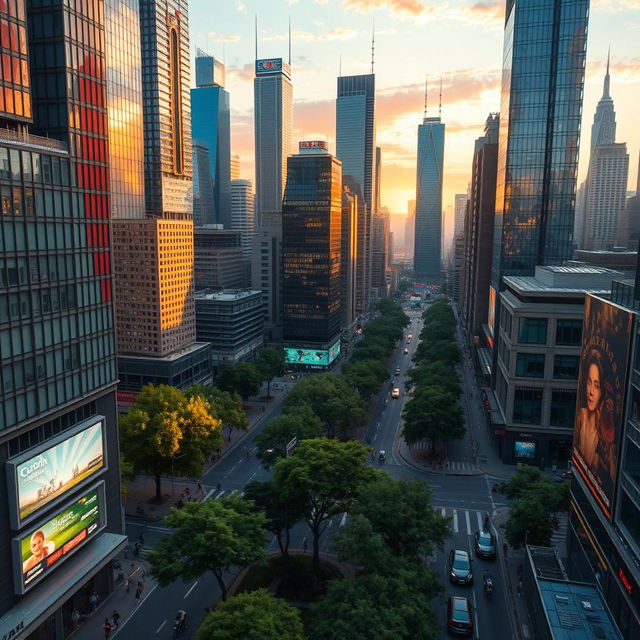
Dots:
pixel 463 520
pixel 450 466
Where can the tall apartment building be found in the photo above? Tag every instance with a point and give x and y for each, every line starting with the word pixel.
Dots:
pixel 363 245
pixel 203 208
pixel 311 236
pixel 459 212
pixel 273 129
pixel 211 124
pixel 243 213
pixel 57 344
pixel 348 262
pixel 543 62
pixel 218 259
pixel 427 254
pixel 380 249
pixel 235 166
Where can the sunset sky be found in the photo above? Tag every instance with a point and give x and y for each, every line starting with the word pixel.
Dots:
pixel 456 40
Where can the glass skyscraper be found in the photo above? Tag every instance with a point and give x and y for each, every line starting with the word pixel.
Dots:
pixel 273 114
pixel 203 211
pixel 427 254
pixel 540 111
pixel 210 123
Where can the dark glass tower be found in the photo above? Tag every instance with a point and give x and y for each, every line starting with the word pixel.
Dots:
pixel 542 83
pixel 311 233
pixel 57 344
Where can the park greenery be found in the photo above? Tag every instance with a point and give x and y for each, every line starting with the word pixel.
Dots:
pixel 433 412
pixel 242 378
pixel 168 432
pixel 535 501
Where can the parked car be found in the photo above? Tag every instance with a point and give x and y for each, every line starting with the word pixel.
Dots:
pixel 459 616
pixel 460 567
pixel 395 392
pixel 485 545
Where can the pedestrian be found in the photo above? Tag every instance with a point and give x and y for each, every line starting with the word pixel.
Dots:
pixel 520 587
pixel 128 585
pixel 218 486
pixel 107 628
pixel 139 590
pixel 141 538
pixel 136 549
pixel 199 486
pixel 75 618
pixel 93 601
pixel 505 548
pixel 115 616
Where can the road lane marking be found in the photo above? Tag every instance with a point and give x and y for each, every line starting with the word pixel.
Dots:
pixel 475 614
pixel 193 586
pixel 455 520
pixel 443 511
pixel 160 627
pixel 220 494
pixel 480 523
pixel 344 519
pixel 211 492
pixel 466 513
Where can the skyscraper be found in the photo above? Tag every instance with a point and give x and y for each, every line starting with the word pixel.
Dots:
pixel 427 254
pixel 543 62
pixel 348 260
pixel 603 129
pixel 363 245
pixel 273 128
pixel 57 345
pixel 203 210
pixel 243 212
pixel 210 123
pixel 459 213
pixel 311 232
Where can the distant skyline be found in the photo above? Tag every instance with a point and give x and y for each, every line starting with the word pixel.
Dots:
pixel 458 40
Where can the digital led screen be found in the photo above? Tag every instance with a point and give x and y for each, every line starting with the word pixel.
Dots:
pixel 314 357
pixel 525 449
pixel 268 65
pixel 37 479
pixel 48 545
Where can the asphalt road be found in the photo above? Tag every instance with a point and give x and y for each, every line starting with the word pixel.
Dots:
pixel 465 499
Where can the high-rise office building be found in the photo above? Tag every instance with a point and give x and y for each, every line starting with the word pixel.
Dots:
pixel 203 209
pixel 380 251
pixel 273 128
pixel 363 245
pixel 218 259
pixel 164 30
pixel 311 238
pixel 629 220
pixel 603 129
pixel 427 254
pixel 459 213
pixel 243 213
pixel 235 166
pixel 57 345
pixel 348 261
pixel 410 229
pixel 543 62
pixel 210 123
pixel 378 180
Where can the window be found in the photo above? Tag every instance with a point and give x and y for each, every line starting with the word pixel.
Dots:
pixel 563 408
pixel 569 332
pixel 566 367
pixel 530 365
pixel 632 461
pixel 527 406
pixel 532 331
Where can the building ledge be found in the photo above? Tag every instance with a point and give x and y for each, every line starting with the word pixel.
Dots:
pixel 27 139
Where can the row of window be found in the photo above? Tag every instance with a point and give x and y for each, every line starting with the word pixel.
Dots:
pixel 531 365
pixel 534 331
pixel 527 407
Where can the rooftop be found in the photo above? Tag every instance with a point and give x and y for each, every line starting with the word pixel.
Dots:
pixel 227 295
pixel 565 280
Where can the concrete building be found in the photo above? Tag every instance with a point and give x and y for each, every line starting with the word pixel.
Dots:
pixel 380 249
pixel 619 260
pixel 273 129
pixel 218 259
pixel 232 322
pixel 348 262
pixel 459 212
pixel 243 213
pixel 235 166
pixel 538 355
pixel 203 209
pixel 363 246
pixel 629 221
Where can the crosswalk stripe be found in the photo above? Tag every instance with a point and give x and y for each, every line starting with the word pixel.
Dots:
pixel 455 520
pixel 344 519
pixel 220 494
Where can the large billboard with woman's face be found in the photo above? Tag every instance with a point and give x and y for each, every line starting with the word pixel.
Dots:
pixel 606 340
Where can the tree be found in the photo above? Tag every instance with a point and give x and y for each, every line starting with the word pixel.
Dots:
pixel 167 432
pixel 281 512
pixel 393 606
pixel 530 521
pixel 209 536
pixel 240 378
pixel 300 422
pixel 525 476
pixel 326 475
pixel 225 406
pixel 435 373
pixel 433 414
pixel 269 364
pixel 256 615
pixel 365 351
pixel 366 376
pixel 445 351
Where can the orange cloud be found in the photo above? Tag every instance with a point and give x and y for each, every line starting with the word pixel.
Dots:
pixel 490 11
pixel 411 7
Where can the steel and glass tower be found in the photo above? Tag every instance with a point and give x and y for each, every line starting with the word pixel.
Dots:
pixel 273 113
pixel 427 254
pixel 542 83
pixel 210 123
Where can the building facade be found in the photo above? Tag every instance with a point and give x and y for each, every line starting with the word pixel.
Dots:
pixel 57 342
pixel 427 253
pixel 363 245
pixel 311 232
pixel 380 248
pixel 203 208
pixel 211 124
pixel 243 213
pixel 232 321
pixel 273 129
pixel 218 259
pixel 348 261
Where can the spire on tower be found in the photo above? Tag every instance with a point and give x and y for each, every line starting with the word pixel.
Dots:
pixel 440 100
pixel 373 43
pixel 607 79
pixel 425 97
pixel 256 34
pixel 289 40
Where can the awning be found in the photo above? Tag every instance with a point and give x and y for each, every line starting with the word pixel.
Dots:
pixel 47 597
pixel 484 358
pixel 495 413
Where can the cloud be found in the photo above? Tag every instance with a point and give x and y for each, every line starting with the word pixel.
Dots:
pixel 488 13
pixel 407 7
pixel 623 71
pixel 337 33
pixel 219 37
pixel 245 73
pixel 616 5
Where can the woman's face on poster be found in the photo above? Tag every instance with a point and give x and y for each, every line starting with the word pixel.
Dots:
pixel 593 387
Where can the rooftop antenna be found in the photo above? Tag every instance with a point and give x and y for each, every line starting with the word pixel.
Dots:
pixel 256 36
pixel 340 66
pixel 440 101
pixel 224 55
pixel 425 96
pixel 289 40
pixel 373 42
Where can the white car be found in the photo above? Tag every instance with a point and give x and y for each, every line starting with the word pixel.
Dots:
pixel 395 392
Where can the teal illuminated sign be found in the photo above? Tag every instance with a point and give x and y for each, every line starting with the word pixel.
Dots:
pixel 314 357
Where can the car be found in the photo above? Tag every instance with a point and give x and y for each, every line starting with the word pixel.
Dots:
pixel 410 337
pixel 485 545
pixel 459 616
pixel 395 392
pixel 460 567
pixel 405 351
pixel 397 371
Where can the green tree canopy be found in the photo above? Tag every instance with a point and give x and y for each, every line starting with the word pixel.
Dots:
pixel 433 414
pixel 242 378
pixel 225 406
pixel 365 351
pixel 327 475
pixel 299 421
pixel 269 364
pixel 435 373
pixel 525 476
pixel 256 615
pixel 446 351
pixel 165 432
pixel 209 536
pixel 366 376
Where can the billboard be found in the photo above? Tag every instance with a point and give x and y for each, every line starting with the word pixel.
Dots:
pixel 525 449
pixel 314 357
pixel 38 478
pixel 37 553
pixel 606 339
pixel 268 65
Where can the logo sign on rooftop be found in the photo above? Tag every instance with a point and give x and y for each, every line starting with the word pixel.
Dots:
pixel 268 65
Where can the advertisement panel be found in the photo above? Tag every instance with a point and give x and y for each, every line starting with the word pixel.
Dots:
pixel 39 478
pixel 268 65
pixel 525 449
pixel 606 339
pixel 313 357
pixel 49 544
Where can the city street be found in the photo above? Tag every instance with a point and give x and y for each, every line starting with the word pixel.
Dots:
pixel 463 498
